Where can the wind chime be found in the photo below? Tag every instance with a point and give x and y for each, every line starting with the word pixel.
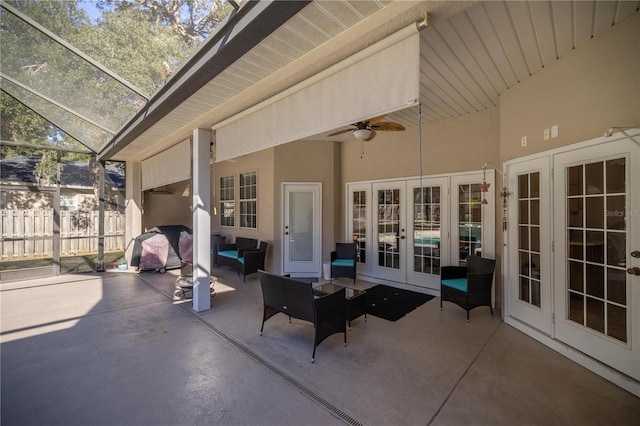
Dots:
pixel 485 185
pixel 484 188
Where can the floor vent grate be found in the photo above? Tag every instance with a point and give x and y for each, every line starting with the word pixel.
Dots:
pixel 335 411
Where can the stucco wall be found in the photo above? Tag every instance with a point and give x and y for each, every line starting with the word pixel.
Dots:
pixel 452 145
pixel 586 92
pixel 172 206
pixel 310 161
pixel 263 163
pixel 595 87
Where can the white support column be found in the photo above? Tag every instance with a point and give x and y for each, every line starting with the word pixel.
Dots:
pixel 133 207
pixel 201 208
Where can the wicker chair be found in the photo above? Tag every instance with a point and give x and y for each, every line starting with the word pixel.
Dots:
pixel 252 260
pixel 343 261
pixel 296 299
pixel 468 286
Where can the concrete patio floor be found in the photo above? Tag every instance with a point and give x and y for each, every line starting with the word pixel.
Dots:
pixel 119 348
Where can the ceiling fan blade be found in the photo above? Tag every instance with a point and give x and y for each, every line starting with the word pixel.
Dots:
pixel 371 136
pixel 389 126
pixel 375 120
pixel 339 132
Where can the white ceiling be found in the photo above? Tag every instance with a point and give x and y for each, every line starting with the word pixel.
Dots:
pixel 468 60
pixel 470 54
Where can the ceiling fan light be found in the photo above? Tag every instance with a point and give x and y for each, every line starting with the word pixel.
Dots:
pixel 361 134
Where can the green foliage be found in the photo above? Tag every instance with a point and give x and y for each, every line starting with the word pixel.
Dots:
pixel 47 167
pixel 143 41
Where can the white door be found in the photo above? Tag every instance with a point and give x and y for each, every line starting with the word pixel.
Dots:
pixel 389 231
pixel 302 229
pixel 528 285
pixel 597 252
pixel 427 231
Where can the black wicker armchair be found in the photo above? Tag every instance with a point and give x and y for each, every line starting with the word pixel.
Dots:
pixel 468 286
pixel 296 299
pixel 343 261
pixel 252 260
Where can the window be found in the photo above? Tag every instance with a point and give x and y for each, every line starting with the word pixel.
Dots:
pixel 426 230
pixel 249 200
pixel 68 202
pixel 360 223
pixel 529 237
pixel 227 201
pixel 469 221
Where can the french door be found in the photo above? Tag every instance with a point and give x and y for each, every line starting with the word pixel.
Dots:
pixel 573 252
pixel 427 231
pixel 597 256
pixel 528 289
pixel 403 228
pixel 389 231
pixel 302 229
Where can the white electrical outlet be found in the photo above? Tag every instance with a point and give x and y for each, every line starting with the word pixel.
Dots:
pixel 523 141
pixel 546 134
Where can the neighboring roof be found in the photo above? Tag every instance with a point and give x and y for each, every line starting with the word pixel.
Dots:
pixel 20 170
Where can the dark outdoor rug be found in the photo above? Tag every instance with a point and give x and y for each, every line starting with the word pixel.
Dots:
pixel 393 303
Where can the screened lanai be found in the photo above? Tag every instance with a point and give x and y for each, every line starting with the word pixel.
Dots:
pixel 72 75
pixel 498 91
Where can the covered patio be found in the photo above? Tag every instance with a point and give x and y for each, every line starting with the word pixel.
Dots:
pixel 502 96
pixel 120 348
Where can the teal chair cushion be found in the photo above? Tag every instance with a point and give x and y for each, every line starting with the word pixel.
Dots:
pixel 343 262
pixel 231 254
pixel 241 259
pixel 459 284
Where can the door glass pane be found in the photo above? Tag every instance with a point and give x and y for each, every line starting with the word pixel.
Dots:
pixel 301 226
pixel 597 287
pixel 360 224
pixel 389 228
pixel 529 231
pixel 470 221
pixel 426 230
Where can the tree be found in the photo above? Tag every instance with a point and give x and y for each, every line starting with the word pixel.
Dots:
pixel 143 41
pixel 193 20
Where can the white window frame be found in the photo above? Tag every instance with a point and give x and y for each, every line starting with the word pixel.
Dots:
pixel 248 201
pixel 225 201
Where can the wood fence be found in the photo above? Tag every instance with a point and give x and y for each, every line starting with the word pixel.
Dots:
pixel 28 234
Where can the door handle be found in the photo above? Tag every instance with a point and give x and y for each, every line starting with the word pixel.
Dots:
pixel 633 271
pixel 635 254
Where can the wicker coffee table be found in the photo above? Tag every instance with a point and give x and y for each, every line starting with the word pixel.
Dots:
pixel 356 299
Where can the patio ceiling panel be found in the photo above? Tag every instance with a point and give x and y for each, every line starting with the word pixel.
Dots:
pixel 541 15
pixel 562 13
pixel 468 60
pixel 468 64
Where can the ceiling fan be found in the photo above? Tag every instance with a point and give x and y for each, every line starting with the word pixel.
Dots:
pixel 366 130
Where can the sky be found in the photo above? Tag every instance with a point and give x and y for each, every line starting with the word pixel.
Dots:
pixel 91 9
